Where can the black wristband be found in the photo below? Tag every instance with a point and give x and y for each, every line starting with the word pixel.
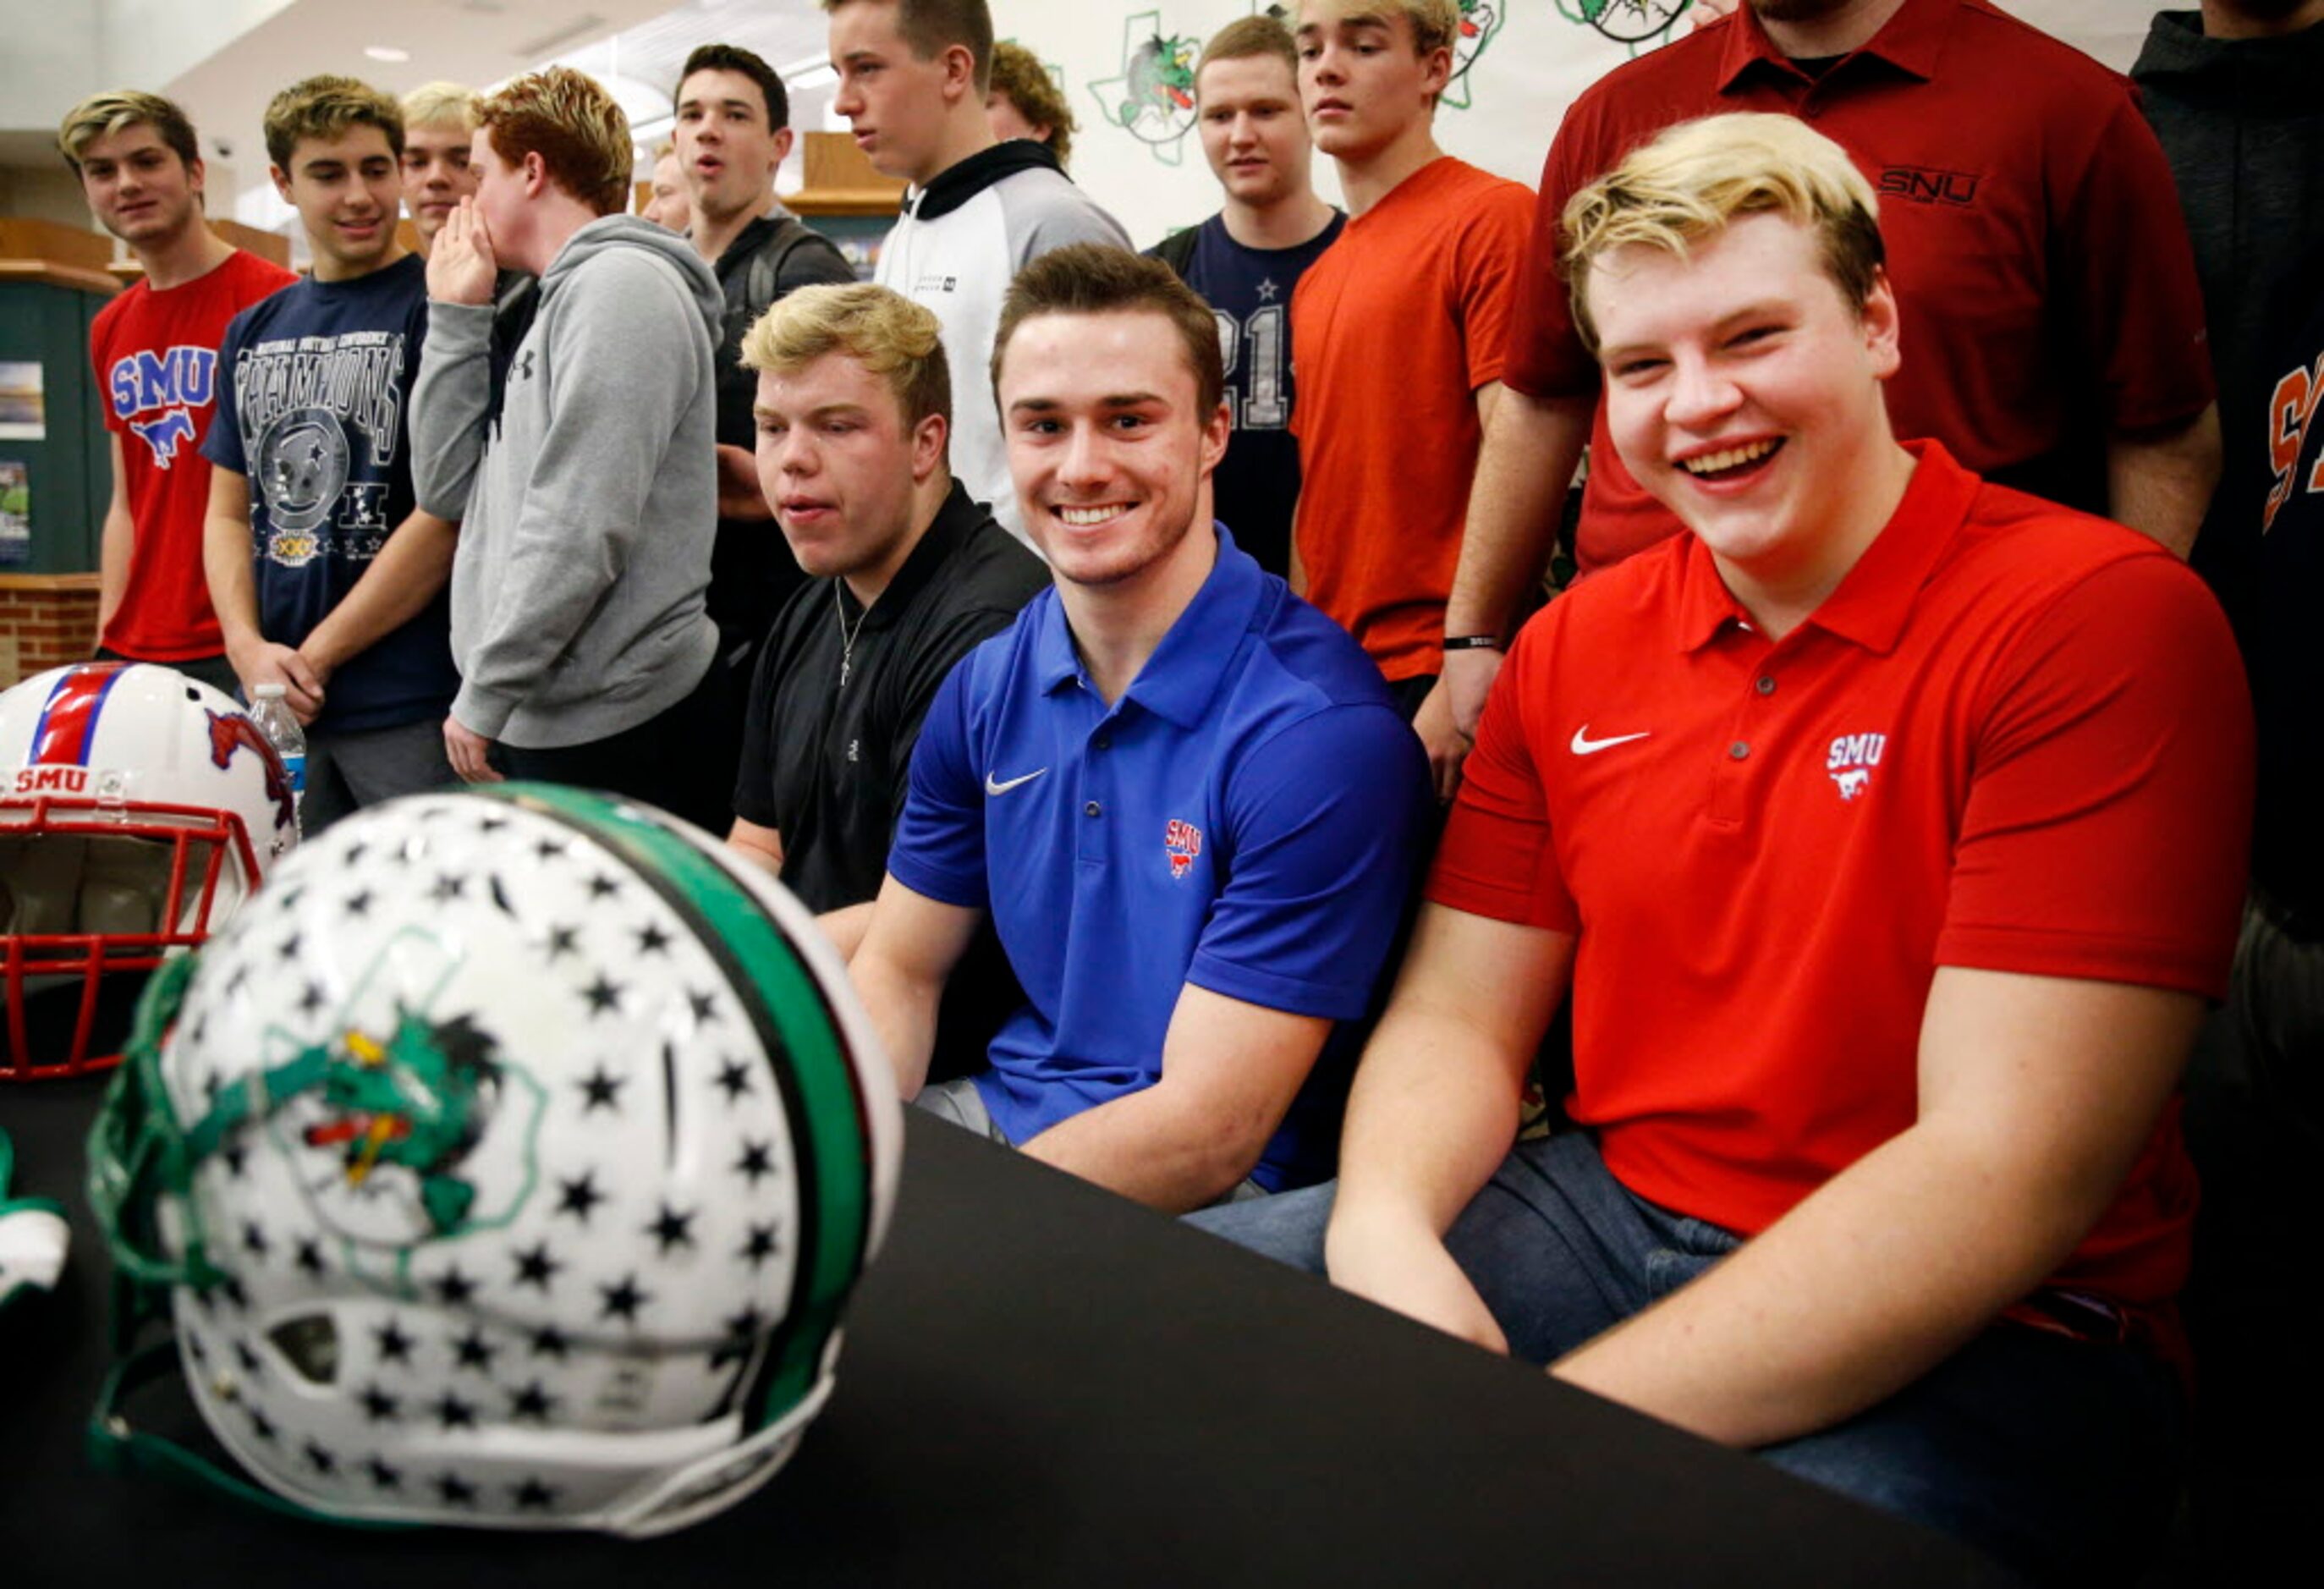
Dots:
pixel 1473 642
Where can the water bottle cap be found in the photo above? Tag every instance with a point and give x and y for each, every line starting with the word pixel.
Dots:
pixel 268 692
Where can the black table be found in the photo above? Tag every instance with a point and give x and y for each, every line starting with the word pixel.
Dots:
pixel 1042 1385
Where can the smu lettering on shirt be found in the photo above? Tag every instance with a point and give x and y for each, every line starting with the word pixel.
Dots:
pixel 164 387
pixel 318 419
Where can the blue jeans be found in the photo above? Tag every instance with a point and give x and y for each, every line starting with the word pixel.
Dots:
pixel 2060 1456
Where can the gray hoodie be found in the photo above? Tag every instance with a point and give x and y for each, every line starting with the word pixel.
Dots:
pixel 588 503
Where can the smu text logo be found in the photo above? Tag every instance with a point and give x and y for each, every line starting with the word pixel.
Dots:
pixel 1924 184
pixel 52 780
pixel 163 386
pixel 1851 760
pixel 1183 841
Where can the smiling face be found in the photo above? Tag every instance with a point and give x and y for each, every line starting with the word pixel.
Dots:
pixel 1745 392
pixel 436 174
pixel 894 102
pixel 138 187
pixel 1107 442
pixel 1253 133
pixel 348 192
pixel 838 464
pixel 1361 81
pixel 725 148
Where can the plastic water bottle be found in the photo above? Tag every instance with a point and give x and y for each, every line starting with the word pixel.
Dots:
pixel 273 714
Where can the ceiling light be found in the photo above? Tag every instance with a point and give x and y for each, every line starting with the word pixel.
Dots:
pixel 387 52
pixel 818 75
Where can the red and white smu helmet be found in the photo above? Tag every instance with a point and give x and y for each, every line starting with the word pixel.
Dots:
pixel 138 809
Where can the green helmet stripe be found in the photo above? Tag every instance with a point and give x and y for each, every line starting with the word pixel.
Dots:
pixel 803 1044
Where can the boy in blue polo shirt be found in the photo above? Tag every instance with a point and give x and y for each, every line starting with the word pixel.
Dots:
pixel 1182 793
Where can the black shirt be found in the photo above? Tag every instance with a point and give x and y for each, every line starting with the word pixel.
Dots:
pixel 828 766
pixel 2284 471
pixel 751 570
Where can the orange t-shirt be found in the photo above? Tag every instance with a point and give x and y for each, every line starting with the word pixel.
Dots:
pixel 1392 332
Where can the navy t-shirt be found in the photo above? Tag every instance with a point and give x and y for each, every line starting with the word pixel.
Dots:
pixel 1249 291
pixel 320 377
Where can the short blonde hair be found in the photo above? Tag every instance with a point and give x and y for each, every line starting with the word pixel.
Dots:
pixel 100 116
pixel 1018 73
pixel 1435 23
pixel 880 328
pixel 325 106
pixel 1694 179
pixel 440 103
pixel 568 119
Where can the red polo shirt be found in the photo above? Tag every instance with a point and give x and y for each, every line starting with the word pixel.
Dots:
pixel 2014 738
pixel 2035 239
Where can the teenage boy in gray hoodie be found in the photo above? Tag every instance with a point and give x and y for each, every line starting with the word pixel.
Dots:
pixel 588 483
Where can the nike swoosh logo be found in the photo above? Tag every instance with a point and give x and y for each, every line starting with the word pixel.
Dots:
pixel 1583 745
pixel 993 786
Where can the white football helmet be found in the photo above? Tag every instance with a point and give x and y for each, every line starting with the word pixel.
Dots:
pixel 508 1163
pixel 138 809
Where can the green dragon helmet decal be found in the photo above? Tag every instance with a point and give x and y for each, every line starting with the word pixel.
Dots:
pixel 507 1162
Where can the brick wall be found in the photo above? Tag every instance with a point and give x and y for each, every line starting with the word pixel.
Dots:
pixel 46 620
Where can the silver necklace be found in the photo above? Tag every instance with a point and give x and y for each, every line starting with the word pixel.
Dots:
pixel 846 635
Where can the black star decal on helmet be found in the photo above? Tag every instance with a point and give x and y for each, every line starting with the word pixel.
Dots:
pixel 532 1495
pixel 454 1490
pixel 289 947
pixel 760 1246
pixel 757 1160
pixel 735 1078
pixel 356 852
pixel 452 1413
pixel 236 1158
pixel 395 1345
pixel 319 1459
pixel 253 1240
pixel 383 1475
pixel 449 887
pixel 238 980
pixel 290 896
pixel 532 1401
pixel 491 824
pixel 564 940
pixel 261 1425
pixel 313 999
pixel 250 1362
pixel 548 849
pixel 357 903
pixel 310 1257
pixel 232 1288
pixel 599 1086
pixel 604 995
pixel 536 1268
pixel 453 1288
pixel 603 887
pixel 378 1407
pixel 652 940
pixel 473 1351
pixel 548 1341
pixel 578 1197
pixel 672 1229
pixel 704 1005
pixel 742 1331
pixel 623 1300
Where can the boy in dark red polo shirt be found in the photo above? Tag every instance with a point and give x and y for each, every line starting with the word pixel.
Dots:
pixel 1890 831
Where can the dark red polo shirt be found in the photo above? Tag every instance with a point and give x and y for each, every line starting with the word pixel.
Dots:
pixel 2035 239
pixel 2014 738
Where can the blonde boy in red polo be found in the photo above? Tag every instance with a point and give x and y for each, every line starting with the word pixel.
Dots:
pixel 1396 335
pixel 1889 832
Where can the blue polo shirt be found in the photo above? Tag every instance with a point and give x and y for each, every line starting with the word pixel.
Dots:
pixel 1247 818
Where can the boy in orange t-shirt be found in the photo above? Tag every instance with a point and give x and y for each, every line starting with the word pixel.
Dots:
pixel 1396 332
